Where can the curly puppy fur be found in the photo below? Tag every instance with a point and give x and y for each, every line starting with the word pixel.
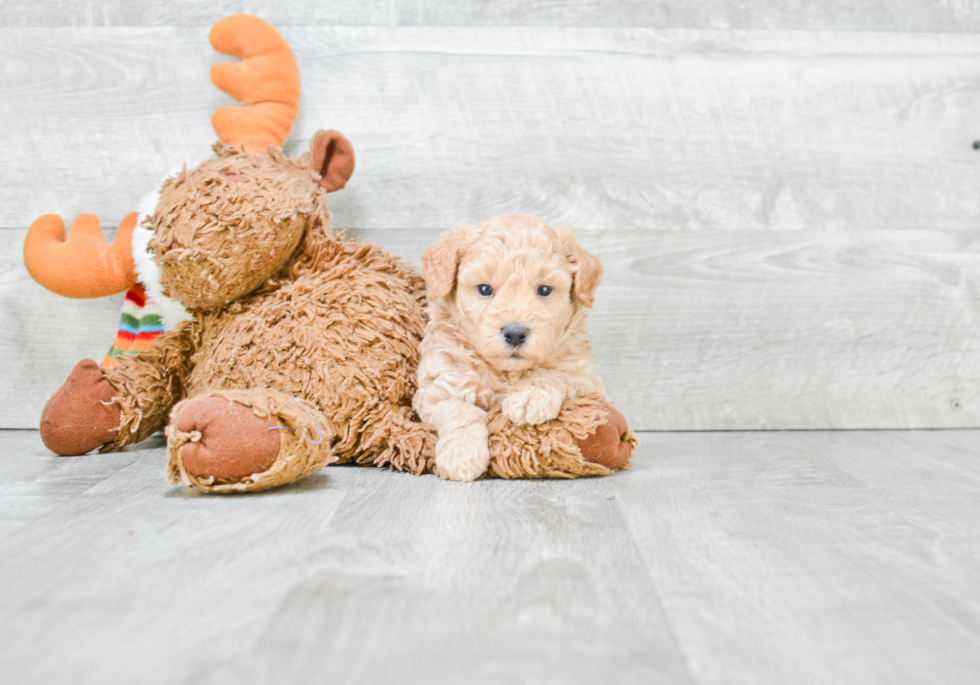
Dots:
pixel 509 299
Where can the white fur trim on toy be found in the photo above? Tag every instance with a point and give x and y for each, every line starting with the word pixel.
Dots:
pixel 147 272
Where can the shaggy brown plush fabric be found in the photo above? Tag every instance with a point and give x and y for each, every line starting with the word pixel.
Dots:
pixel 149 384
pixel 224 228
pixel 555 449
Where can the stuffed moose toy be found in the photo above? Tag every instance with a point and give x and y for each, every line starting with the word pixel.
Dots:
pixel 299 348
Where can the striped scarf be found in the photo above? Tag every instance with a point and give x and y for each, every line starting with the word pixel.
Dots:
pixel 139 324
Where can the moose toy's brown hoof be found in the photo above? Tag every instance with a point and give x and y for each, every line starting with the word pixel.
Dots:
pixel 229 441
pixel 608 446
pixel 81 415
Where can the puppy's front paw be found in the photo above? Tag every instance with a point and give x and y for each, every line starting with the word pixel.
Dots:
pixel 532 406
pixel 461 457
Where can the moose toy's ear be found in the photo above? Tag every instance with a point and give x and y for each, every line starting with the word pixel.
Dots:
pixel 333 159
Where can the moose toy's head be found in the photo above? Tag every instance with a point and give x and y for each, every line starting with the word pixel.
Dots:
pixel 219 231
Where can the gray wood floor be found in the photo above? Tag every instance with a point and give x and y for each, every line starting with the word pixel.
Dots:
pixel 718 558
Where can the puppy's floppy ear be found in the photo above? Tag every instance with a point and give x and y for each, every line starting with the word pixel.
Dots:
pixel 586 269
pixel 439 265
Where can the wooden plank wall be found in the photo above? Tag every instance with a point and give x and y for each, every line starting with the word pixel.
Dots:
pixel 786 196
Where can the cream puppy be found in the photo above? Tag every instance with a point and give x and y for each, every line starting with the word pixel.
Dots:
pixel 508 301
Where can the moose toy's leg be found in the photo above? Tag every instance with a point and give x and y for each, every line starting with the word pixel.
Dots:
pixel 246 440
pixel 109 408
pixel 81 415
pixel 589 438
pixel 612 443
pixel 228 440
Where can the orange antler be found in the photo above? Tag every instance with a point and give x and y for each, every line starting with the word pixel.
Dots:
pixel 83 264
pixel 266 81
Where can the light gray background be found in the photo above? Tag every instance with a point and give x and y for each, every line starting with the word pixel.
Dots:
pixel 785 195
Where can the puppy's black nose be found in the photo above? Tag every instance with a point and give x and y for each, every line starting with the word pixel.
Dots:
pixel 515 334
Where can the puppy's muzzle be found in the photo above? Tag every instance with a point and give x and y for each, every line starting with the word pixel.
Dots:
pixel 515 334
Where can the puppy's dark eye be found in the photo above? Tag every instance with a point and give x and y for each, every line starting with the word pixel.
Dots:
pixel 484 290
pixel 544 290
